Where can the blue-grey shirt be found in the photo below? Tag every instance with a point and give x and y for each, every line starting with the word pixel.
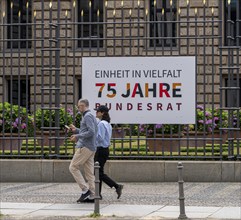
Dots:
pixel 104 134
pixel 87 132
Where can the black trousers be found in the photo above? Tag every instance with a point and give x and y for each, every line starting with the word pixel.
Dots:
pixel 102 155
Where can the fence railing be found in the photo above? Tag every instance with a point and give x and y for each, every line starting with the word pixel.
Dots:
pixel 41 66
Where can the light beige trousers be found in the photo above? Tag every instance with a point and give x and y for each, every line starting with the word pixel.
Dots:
pixel 85 158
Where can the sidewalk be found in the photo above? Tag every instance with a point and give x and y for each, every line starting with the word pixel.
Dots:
pixel 139 201
pixel 115 211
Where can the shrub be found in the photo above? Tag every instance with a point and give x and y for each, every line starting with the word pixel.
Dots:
pixel 46 118
pixel 208 120
pixel 159 128
pixel 15 119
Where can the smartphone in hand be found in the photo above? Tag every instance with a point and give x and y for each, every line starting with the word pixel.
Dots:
pixel 66 126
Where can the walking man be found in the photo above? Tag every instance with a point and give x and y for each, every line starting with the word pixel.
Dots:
pixel 85 138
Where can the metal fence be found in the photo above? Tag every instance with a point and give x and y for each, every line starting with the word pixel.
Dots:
pixel 42 45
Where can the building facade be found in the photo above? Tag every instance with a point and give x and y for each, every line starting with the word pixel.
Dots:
pixel 43 42
pixel 56 34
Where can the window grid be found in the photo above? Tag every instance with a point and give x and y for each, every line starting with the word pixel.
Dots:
pixel 18 33
pixel 14 93
pixel 232 23
pixel 163 33
pixel 90 35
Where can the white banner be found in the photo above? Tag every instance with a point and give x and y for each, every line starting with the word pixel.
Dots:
pixel 142 90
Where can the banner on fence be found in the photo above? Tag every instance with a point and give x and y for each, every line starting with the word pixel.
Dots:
pixel 142 89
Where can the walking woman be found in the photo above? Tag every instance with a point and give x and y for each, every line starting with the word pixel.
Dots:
pixel 103 143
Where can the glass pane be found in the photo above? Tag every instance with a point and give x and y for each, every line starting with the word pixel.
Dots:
pixel 16 91
pixel 91 32
pixel 231 22
pixel 163 34
pixel 15 31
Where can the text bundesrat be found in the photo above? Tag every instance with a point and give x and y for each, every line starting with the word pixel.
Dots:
pixel 142 106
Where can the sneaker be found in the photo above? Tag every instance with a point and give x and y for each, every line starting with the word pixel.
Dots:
pixel 91 197
pixel 84 196
pixel 119 191
pixel 88 200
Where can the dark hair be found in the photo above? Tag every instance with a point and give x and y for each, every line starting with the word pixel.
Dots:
pixel 106 117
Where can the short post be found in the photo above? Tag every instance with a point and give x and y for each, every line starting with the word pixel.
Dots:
pixel 97 189
pixel 181 192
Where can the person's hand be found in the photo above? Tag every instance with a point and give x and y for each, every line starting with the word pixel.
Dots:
pixel 67 127
pixel 72 127
pixel 73 138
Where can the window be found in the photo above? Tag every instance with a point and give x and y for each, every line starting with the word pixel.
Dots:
pixel 232 95
pixel 163 33
pixel 91 34
pixel 19 33
pixel 16 91
pixel 232 32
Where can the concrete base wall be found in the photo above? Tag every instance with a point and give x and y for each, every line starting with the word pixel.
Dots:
pixel 122 171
